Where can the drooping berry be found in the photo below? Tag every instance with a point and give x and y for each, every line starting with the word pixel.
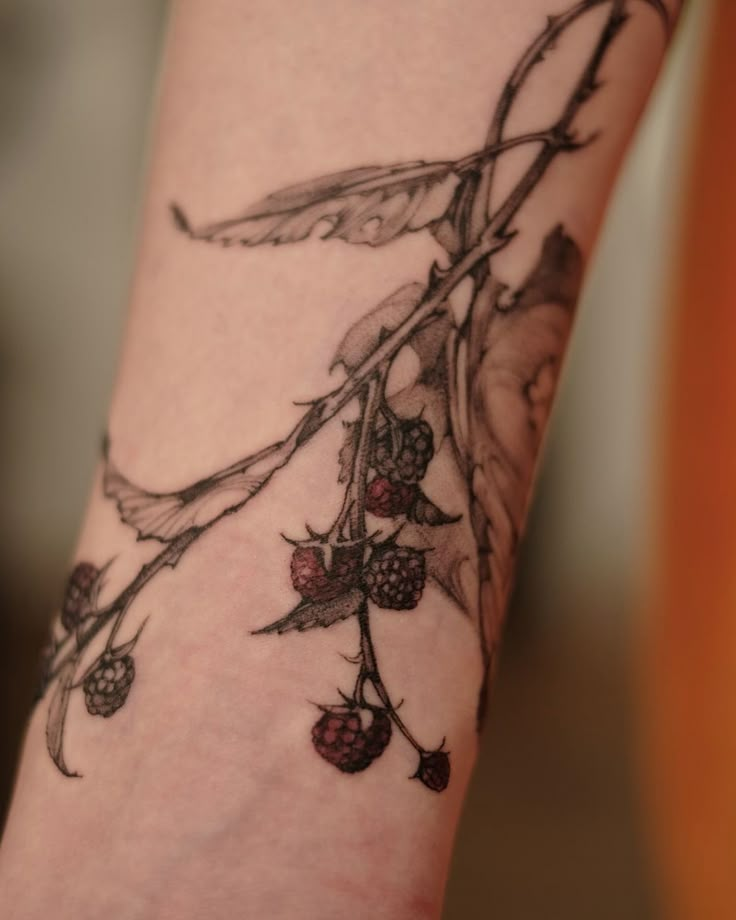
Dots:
pixel 314 581
pixel 389 497
pixel 106 688
pixel 434 770
pixel 404 454
pixel 340 738
pixel 395 577
pixel 78 593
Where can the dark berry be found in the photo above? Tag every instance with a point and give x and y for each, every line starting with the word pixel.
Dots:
pixel 107 687
pixel 434 770
pixel 340 738
pixel 314 582
pixel 395 577
pixel 389 497
pixel 78 594
pixel 404 454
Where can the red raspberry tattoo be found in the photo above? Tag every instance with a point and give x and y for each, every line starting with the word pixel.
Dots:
pixel 388 497
pixel 339 737
pixel 314 582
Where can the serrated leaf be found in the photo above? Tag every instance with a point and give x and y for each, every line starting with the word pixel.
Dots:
pixel 164 515
pixel 346 455
pixel 373 205
pixel 451 549
pixel 56 718
pixel 513 362
pixel 309 614
pixel 366 334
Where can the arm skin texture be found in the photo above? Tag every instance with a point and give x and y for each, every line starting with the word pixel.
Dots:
pixel 347 332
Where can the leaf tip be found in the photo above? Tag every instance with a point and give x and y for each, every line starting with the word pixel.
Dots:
pixel 181 222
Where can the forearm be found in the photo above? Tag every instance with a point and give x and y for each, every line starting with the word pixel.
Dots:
pixel 260 396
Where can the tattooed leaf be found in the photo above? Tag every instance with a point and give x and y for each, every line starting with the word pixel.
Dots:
pixel 164 515
pixel 427 396
pixel 424 511
pixel 56 719
pixel 372 204
pixel 346 456
pixel 309 614
pixel 450 549
pixel 366 334
pixel 557 275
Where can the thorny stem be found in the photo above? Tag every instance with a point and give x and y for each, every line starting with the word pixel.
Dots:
pixel 369 672
pixel 584 88
pixel 488 236
pixel 534 55
pixel 277 455
pixel 353 509
pixel 168 556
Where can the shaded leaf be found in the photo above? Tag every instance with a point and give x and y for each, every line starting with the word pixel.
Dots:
pixel 514 353
pixel 372 204
pixel 424 511
pixel 451 552
pixel 309 614
pixel 556 277
pixel 366 334
pixel 56 719
pixel 346 455
pixel 164 515
pixel 428 395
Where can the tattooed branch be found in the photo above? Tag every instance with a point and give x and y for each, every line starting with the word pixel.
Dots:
pixel 472 418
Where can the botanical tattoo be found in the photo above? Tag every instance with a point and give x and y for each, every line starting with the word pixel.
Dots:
pixel 436 476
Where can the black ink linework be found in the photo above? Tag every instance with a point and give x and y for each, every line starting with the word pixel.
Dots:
pixel 475 413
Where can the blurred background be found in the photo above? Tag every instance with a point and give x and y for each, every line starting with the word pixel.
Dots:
pixel 554 825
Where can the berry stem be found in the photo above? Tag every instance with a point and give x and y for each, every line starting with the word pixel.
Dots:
pixel 352 512
pixel 369 671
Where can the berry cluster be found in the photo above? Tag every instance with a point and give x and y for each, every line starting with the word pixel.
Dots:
pixel 401 454
pixel 393 576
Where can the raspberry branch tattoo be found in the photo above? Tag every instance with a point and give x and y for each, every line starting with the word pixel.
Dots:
pixel 435 476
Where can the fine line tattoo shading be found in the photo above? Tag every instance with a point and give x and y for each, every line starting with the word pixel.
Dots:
pixel 436 476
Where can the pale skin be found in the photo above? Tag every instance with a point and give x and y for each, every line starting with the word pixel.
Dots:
pixel 203 796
